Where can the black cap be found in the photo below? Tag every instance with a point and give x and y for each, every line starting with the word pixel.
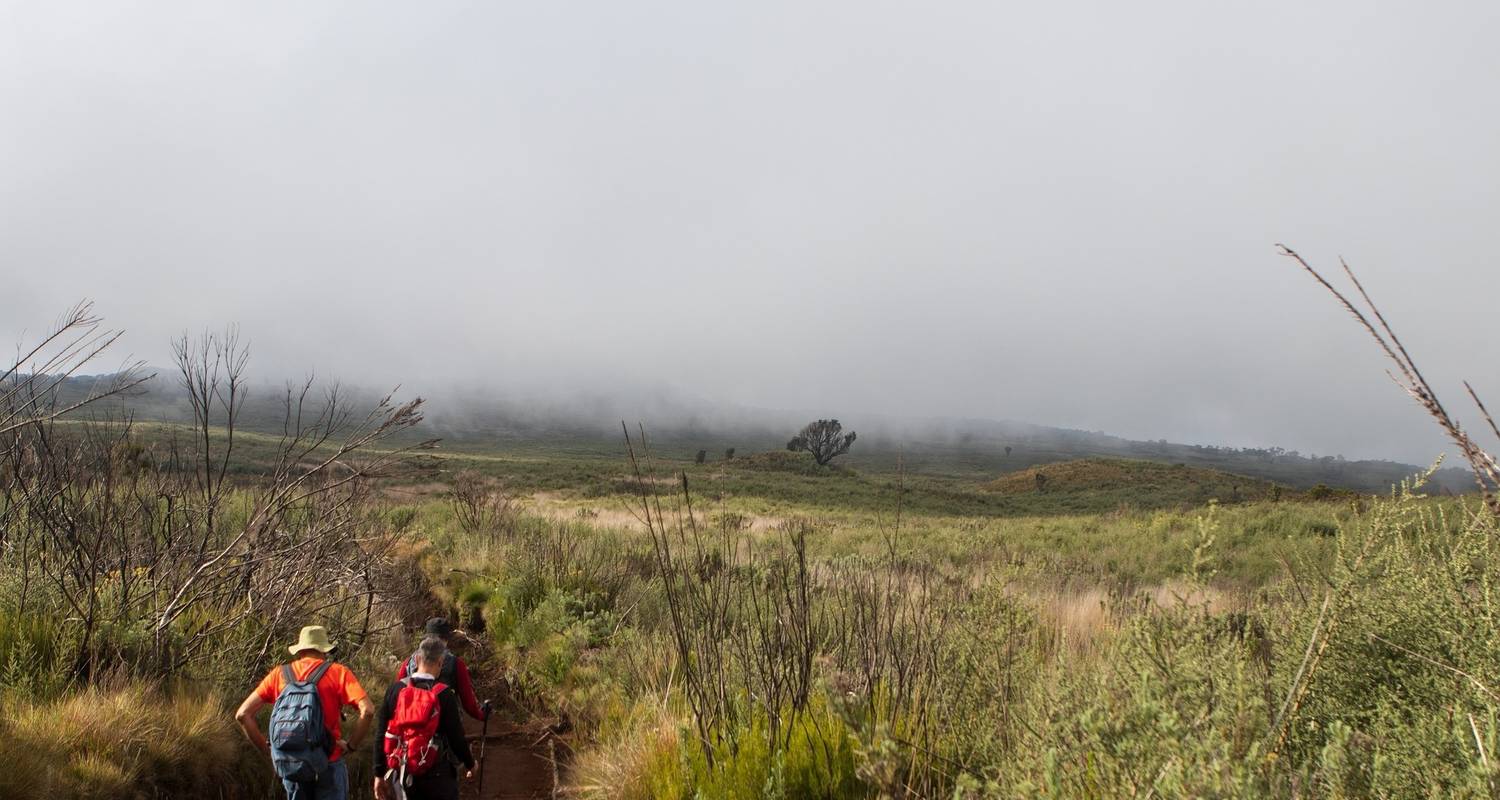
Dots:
pixel 439 626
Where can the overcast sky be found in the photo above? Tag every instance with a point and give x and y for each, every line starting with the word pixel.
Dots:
pixel 1060 213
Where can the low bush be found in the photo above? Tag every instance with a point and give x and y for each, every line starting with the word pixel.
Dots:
pixel 28 655
pixel 655 760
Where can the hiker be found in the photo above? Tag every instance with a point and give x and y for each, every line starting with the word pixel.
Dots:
pixel 454 674
pixel 418 733
pixel 306 698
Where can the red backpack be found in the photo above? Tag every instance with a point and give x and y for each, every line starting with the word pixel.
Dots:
pixel 411 743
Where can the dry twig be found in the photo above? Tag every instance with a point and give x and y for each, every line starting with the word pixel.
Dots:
pixel 1410 378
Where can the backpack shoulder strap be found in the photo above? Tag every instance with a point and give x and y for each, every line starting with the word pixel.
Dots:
pixel 317 674
pixel 287 676
pixel 439 687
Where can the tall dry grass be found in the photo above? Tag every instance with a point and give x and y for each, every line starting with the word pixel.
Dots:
pixel 131 742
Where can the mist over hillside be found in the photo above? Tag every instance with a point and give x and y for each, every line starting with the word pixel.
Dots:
pixel 678 427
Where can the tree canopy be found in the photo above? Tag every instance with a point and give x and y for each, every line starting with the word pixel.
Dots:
pixel 825 439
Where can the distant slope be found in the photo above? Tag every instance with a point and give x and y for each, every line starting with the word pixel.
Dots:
pixel 969 449
pixel 1133 478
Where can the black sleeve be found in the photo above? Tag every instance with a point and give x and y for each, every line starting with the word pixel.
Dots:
pixel 453 727
pixel 382 723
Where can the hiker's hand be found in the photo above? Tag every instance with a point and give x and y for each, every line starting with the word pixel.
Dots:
pixel 343 745
pixel 382 791
pixel 469 774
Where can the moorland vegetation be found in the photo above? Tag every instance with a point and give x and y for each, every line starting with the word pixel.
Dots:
pixel 762 626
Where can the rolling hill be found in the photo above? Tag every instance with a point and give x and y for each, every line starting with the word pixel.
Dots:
pixel 970 449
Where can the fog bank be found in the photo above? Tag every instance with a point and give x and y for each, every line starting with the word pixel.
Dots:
pixel 1061 214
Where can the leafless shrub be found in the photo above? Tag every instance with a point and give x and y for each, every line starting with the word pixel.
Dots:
pixel 753 621
pixel 778 628
pixel 699 593
pixel 1409 377
pixel 300 531
pixel 889 619
pixel 158 538
pixel 745 620
pixel 565 555
pixel 30 386
pixel 481 508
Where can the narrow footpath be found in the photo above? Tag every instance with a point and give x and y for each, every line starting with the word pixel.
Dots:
pixel 520 760
pixel 519 764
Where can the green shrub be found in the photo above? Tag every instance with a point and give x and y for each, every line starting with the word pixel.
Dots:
pixel 29 655
pixel 818 760
pixel 400 517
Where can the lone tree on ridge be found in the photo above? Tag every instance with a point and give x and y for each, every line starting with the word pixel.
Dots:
pixel 825 439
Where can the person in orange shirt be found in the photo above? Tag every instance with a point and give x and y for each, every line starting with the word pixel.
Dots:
pixel 336 688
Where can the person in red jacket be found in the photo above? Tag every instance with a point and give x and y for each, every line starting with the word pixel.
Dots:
pixel 454 673
pixel 440 780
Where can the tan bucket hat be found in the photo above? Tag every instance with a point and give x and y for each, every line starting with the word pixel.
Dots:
pixel 314 637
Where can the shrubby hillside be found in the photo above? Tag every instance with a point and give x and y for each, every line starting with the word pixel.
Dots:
pixel 953 447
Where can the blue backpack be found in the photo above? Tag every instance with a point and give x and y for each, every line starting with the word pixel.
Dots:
pixel 300 744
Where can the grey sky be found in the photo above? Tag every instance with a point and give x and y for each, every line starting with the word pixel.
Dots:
pixel 1054 212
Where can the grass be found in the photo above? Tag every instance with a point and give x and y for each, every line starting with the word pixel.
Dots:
pixel 1082 648
pixel 127 743
pixel 1085 533
pixel 928 619
pixel 1125 623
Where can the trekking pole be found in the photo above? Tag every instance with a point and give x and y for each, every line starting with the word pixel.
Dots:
pixel 484 738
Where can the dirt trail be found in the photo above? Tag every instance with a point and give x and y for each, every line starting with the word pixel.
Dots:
pixel 518 763
pixel 520 758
